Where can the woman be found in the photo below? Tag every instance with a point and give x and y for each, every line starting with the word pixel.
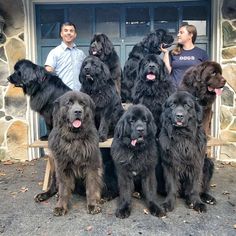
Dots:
pixel 184 55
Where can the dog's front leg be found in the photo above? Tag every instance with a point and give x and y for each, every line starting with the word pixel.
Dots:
pixel 66 184
pixel 126 187
pixel 93 189
pixel 149 187
pixel 193 194
pixel 104 127
pixel 171 188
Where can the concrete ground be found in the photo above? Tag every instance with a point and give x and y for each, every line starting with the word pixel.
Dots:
pixel 20 215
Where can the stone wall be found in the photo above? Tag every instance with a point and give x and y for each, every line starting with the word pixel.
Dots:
pixel 228 99
pixel 13 104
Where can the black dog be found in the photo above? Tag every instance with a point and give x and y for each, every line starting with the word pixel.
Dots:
pixel 42 87
pixel 102 47
pixel 149 45
pixel 96 81
pixel 183 146
pixel 134 152
pixel 152 86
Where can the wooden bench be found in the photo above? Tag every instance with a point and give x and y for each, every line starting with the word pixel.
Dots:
pixel 44 144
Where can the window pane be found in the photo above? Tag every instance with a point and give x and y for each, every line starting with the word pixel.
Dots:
pixel 82 18
pixel 137 22
pixel 108 21
pixel 196 15
pixel 51 20
pixel 166 18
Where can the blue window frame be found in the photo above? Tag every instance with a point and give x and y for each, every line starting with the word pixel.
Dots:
pixel 125 24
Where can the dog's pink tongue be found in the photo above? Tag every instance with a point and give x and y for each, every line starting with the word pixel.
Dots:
pixel 76 123
pixel 133 142
pixel 151 77
pixel 218 91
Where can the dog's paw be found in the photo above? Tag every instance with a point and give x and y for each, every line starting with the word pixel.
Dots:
pixel 156 210
pixel 94 209
pixel 102 138
pixel 200 207
pixel 168 206
pixel 41 197
pixel 207 198
pixel 123 213
pixel 59 211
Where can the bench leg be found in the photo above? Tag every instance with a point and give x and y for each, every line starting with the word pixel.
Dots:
pixel 46 175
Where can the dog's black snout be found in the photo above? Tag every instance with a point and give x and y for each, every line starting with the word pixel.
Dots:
pixel 78 112
pixel 179 116
pixel 140 129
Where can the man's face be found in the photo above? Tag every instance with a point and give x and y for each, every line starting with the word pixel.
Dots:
pixel 68 34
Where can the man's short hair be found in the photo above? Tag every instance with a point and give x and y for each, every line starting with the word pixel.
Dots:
pixel 67 23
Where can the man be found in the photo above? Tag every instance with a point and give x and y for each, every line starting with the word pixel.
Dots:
pixel 66 59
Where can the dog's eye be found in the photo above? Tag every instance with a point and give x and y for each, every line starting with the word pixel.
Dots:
pixel 213 74
pixel 172 105
pixel 69 102
pixel 18 73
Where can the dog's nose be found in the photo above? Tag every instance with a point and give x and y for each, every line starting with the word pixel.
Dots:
pixel 78 112
pixel 140 129
pixel 179 116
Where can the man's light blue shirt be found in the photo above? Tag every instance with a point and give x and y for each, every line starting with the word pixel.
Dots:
pixel 66 63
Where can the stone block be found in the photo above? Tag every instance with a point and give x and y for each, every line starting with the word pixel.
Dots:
pixel 229 9
pixel 229 72
pixel 226 117
pixel 233 126
pixel 4 73
pixel 227 97
pixel 15 102
pixel 227 152
pixel 13 13
pixel 15 50
pixel 3 154
pixel 229 34
pixel 230 136
pixel 17 141
pixel 229 53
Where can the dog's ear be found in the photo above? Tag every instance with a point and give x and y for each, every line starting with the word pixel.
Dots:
pixel 56 108
pixel 122 128
pixel 199 111
pixel 152 128
pixel 106 72
pixel 107 45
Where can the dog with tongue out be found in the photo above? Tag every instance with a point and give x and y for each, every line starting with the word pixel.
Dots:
pixel 135 155
pixel 153 85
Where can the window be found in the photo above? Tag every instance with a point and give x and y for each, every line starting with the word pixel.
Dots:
pixel 166 18
pixel 82 18
pixel 108 21
pixel 50 21
pixel 137 22
pixel 196 15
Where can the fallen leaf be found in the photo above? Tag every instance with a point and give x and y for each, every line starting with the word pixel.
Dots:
pixel 13 193
pixel 89 228
pixel 213 185
pixel 235 226
pixel 24 189
pixel 145 211
pixel 226 193
pixel 109 232
pixel 2 173
pixel 40 183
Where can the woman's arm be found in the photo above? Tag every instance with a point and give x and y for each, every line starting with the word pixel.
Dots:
pixel 166 59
